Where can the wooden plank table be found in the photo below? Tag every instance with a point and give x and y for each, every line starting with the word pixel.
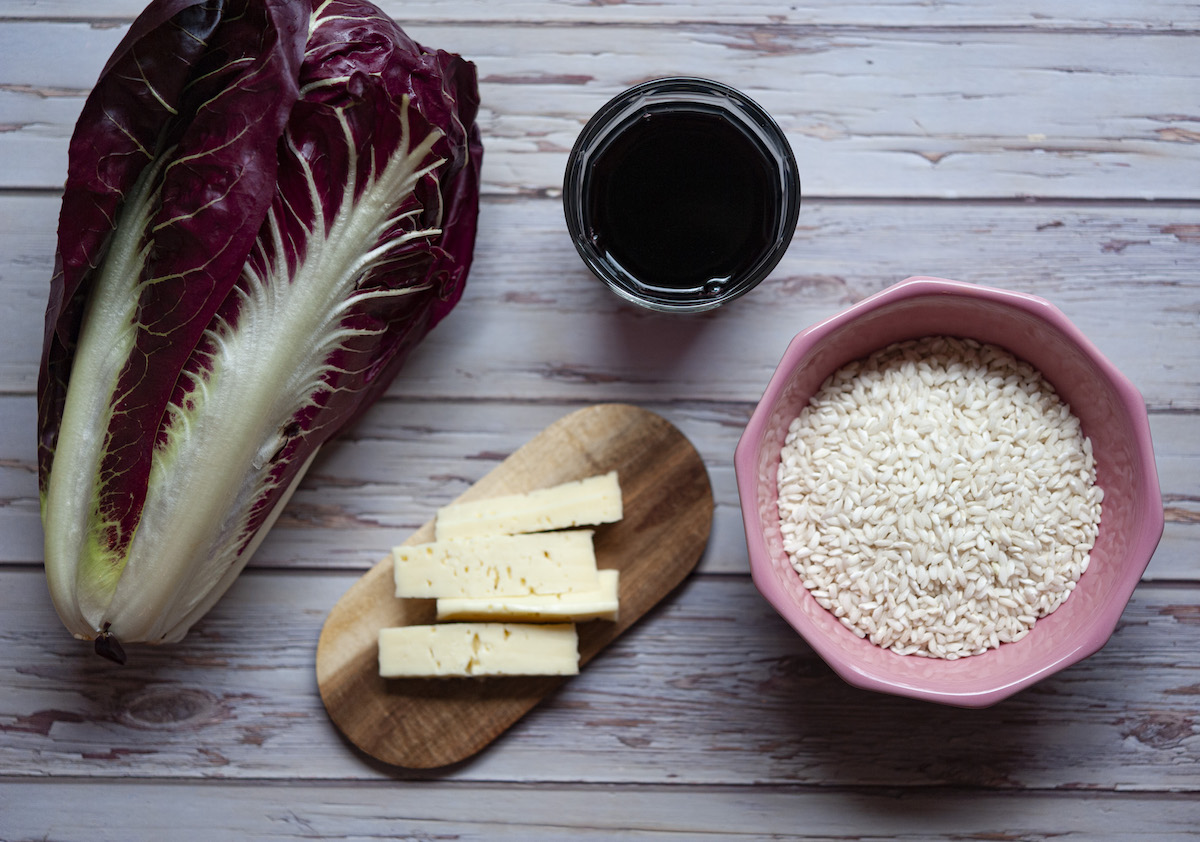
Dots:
pixel 1051 148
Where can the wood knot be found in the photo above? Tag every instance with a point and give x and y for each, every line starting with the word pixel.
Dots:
pixel 1161 729
pixel 172 708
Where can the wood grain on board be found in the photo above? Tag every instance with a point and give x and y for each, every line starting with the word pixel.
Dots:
pixel 712 689
pixel 870 112
pixel 534 325
pixel 247 811
pixel 424 723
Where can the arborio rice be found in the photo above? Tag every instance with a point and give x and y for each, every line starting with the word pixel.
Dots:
pixel 938 497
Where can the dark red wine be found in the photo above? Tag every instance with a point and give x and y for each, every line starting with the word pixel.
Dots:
pixel 681 194
pixel 682 200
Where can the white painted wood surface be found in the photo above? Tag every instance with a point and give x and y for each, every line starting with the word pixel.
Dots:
pixel 1051 148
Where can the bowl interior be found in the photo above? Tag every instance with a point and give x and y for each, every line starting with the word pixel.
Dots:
pixel 1112 415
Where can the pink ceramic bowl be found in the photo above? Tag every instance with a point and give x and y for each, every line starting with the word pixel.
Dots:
pixel 1112 414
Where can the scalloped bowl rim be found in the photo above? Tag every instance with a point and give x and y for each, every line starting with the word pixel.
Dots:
pixel 979 692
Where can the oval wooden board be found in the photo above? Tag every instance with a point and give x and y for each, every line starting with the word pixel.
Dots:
pixel 425 723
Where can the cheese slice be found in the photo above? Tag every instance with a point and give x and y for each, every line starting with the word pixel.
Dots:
pixel 497 565
pixel 584 502
pixel 600 604
pixel 478 649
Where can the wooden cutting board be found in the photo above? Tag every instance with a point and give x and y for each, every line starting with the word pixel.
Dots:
pixel 425 723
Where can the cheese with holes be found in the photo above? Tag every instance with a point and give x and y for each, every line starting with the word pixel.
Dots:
pixel 600 604
pixel 478 649
pixel 497 565
pixel 585 502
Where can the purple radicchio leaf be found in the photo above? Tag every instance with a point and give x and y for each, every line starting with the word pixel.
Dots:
pixel 380 166
pixel 265 228
pixel 171 168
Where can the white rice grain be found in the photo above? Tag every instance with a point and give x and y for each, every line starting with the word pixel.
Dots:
pixel 938 497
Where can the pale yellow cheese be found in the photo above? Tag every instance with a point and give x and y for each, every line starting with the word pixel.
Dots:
pixel 583 502
pixel 497 565
pixel 600 604
pixel 478 649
